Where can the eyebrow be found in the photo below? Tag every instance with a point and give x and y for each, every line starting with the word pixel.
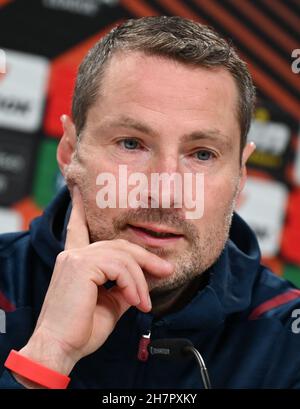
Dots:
pixel 127 122
pixel 213 135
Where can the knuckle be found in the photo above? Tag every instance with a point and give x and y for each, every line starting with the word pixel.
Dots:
pixel 60 259
pixel 69 256
pixel 69 228
pixel 120 263
pixel 128 260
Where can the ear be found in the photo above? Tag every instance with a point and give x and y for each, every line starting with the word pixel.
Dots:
pixel 67 144
pixel 247 152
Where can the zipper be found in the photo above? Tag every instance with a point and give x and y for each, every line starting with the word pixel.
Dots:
pixel 143 353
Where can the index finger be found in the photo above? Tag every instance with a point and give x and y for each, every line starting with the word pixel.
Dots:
pixel 148 261
pixel 77 229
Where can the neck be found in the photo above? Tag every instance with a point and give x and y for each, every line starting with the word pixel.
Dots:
pixel 173 300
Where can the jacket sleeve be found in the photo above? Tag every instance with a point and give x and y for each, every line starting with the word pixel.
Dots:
pixel 7 381
pixel 18 331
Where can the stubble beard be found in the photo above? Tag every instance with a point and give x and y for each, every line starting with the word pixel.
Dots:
pixel 203 248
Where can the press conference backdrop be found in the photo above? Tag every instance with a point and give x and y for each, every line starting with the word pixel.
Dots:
pixel 44 41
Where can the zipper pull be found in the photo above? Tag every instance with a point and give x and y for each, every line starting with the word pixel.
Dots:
pixel 143 353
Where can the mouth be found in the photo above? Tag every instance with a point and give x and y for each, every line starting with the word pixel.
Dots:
pixel 155 235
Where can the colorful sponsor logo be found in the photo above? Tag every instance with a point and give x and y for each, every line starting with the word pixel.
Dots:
pixel 86 8
pixel 10 220
pixel 270 197
pixel 22 91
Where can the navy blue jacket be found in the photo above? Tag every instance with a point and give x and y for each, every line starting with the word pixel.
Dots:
pixel 241 321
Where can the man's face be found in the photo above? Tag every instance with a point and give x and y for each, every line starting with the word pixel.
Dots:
pixel 155 115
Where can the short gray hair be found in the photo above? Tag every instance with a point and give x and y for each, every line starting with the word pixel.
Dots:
pixel 171 37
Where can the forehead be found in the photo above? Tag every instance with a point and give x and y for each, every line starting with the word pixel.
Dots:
pixel 167 92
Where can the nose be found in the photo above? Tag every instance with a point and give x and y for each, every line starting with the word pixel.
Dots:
pixel 166 182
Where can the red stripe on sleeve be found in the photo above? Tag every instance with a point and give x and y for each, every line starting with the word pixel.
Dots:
pixel 5 304
pixel 273 303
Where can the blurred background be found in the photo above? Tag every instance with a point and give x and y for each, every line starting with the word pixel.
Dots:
pixel 45 40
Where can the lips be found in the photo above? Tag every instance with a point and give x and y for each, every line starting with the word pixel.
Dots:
pixel 156 231
pixel 154 235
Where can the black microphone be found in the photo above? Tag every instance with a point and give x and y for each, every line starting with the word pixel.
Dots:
pixel 169 348
pixel 179 348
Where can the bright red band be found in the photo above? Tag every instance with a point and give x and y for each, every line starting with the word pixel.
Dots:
pixel 35 372
pixel 274 302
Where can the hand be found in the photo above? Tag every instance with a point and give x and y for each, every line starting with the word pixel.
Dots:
pixel 79 313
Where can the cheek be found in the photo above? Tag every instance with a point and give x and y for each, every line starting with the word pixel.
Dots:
pixel 74 175
pixel 218 195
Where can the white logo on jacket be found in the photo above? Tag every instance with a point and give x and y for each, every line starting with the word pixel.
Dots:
pixel 2 322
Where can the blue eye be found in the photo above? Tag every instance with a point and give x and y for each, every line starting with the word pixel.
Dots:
pixel 130 143
pixel 204 155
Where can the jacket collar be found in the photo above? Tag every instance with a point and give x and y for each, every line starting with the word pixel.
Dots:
pixel 230 285
pixel 47 232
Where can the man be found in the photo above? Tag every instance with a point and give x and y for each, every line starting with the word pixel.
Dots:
pixel 89 284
